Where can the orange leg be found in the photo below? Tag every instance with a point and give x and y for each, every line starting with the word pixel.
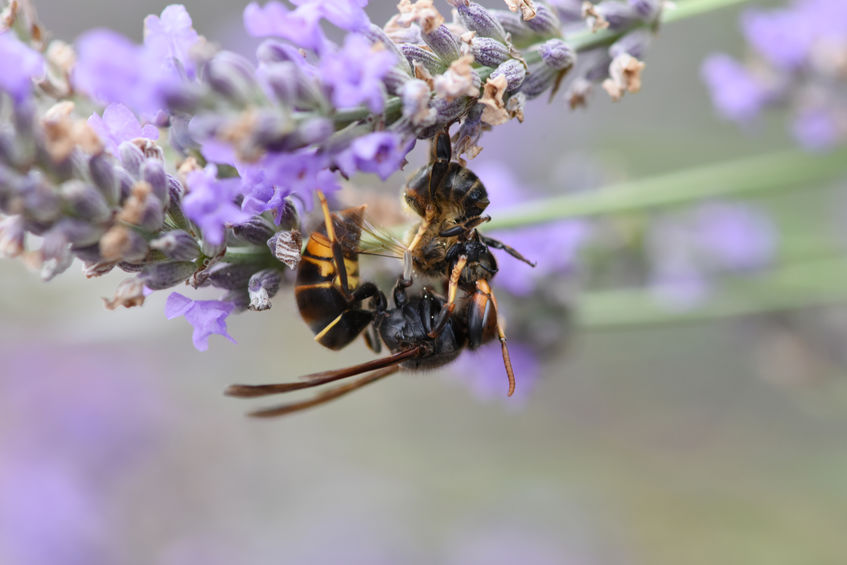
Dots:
pixel 483 286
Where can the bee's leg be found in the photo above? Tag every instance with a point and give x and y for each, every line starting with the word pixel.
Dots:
pixel 491 242
pixel 479 320
pixel 337 252
pixel 450 305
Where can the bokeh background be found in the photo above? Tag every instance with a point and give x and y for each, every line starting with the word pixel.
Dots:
pixel 697 443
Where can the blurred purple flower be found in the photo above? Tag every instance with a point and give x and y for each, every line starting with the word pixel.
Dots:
pixel 301 172
pixel 207 316
pixel 689 248
pixel 210 203
pixel 300 26
pixel 816 129
pixel 783 37
pixel 353 73
pixel 19 65
pixel 170 37
pixel 787 37
pixel 380 152
pixel 484 373
pixel 553 246
pixel 736 94
pixel 345 14
pixel 111 68
pixel 77 422
pixel 120 124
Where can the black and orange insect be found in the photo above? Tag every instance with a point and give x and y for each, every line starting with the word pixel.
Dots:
pixel 415 329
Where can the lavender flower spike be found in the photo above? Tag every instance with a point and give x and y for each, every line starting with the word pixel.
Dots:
pixel 207 316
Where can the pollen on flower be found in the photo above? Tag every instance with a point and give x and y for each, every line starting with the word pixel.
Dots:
pixel 624 76
pixel 114 243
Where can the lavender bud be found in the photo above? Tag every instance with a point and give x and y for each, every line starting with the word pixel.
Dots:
pixel 442 41
pixel 159 276
pixel 178 245
pixel 287 82
pixel 122 243
pixel 8 152
pixel 619 16
pixel 153 171
pixel 545 22
pixel 88 253
pixel 539 80
pixel 273 51
pixel 40 201
pixel 447 111
pixel 131 157
pixel 513 25
pixel 77 232
pixel 515 74
pixel 421 56
pixel 377 34
pixel 478 19
pixel 85 201
pixel 262 287
pixel 102 172
pixel 125 182
pixel 634 43
pixel 286 246
pixel 257 230
pixel 489 52
pixel 395 79
pixel 648 10
pixel 232 76
pixel 128 267
pixel 557 54
pixel 569 10
pixel 152 216
pixel 231 276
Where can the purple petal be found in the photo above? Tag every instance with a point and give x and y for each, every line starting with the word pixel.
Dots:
pixel 207 316
pixel 171 36
pixel 735 93
pixel 19 65
pixel 120 124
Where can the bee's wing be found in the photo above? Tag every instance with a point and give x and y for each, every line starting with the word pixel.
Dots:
pixel 380 241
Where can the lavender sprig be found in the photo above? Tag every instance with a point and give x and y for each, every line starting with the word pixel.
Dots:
pixel 248 140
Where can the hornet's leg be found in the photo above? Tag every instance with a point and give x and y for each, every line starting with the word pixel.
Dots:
pixel 478 321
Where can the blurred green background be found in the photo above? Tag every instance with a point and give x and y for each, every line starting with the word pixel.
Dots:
pixel 707 443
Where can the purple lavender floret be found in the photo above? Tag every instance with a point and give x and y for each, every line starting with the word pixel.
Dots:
pixel 381 152
pixel 816 128
pixel 170 37
pixel 210 203
pixel 19 65
pixel 111 68
pixel 120 124
pixel 353 74
pixel 736 93
pixel 207 316
pixel 483 372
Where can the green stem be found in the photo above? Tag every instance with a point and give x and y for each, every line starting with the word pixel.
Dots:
pixel 741 177
pixel 804 284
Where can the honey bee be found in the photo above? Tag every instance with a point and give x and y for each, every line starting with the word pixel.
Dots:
pixel 333 304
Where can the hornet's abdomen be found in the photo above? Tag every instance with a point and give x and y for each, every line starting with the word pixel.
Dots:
pixel 334 318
